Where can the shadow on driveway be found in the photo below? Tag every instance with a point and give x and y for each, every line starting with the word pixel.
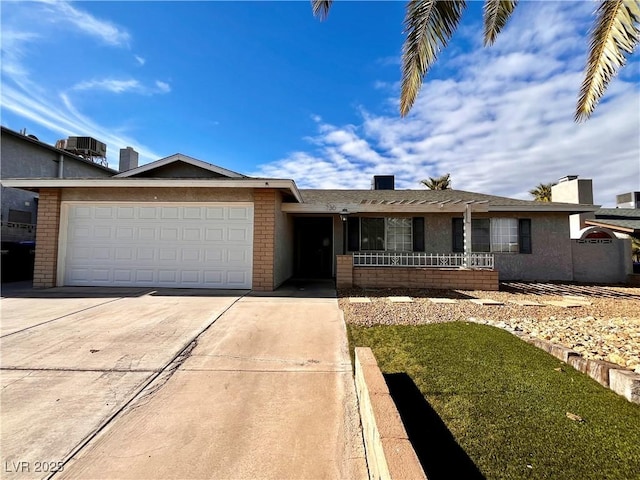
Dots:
pixel 439 453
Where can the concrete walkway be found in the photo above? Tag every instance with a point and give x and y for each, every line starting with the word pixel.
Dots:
pixel 175 385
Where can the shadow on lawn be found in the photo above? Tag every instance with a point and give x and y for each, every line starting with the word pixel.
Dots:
pixel 439 453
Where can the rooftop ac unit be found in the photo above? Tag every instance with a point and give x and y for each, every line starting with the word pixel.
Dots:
pixel 86 146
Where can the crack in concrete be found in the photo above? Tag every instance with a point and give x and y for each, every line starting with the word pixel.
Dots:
pixel 147 389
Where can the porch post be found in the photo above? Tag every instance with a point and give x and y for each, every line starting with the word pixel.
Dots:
pixel 467 236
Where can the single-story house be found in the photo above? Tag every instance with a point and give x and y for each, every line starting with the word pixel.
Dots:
pixel 622 221
pixel 181 222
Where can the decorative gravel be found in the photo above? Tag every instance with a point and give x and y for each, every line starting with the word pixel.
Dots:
pixel 608 329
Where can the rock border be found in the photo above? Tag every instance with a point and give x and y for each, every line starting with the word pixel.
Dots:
pixel 621 381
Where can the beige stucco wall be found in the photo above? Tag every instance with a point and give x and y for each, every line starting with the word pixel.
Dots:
pixel 551 246
pixel 157 194
pixel 283 256
pixel 602 262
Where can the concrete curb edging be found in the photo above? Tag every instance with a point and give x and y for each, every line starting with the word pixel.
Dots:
pixel 389 452
pixel 620 380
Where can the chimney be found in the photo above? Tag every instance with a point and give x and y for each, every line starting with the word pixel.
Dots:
pixel 128 159
pixel 383 182
pixel 571 189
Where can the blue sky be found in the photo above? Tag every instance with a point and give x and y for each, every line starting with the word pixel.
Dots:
pixel 266 89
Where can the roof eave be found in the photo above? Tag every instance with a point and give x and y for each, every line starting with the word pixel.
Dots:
pixel 610 226
pixel 36 183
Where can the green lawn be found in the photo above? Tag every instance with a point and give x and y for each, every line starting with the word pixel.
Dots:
pixel 497 406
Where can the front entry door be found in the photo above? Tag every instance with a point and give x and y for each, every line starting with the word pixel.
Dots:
pixel 313 247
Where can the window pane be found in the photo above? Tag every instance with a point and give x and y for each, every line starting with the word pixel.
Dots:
pixel 480 235
pixel 504 235
pixel 399 234
pixel 372 234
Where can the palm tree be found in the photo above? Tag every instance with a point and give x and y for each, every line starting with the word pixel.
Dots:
pixel 429 24
pixel 438 183
pixel 542 193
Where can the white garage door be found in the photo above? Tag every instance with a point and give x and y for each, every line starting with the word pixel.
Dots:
pixel 164 245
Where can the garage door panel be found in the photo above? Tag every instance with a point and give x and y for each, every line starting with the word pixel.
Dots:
pixel 238 234
pixel 214 234
pixel 214 213
pixel 152 245
pixel 103 212
pixel 169 213
pixel 125 213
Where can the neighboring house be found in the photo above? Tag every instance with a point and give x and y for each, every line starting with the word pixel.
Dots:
pixel 181 222
pixel 601 250
pixel 24 156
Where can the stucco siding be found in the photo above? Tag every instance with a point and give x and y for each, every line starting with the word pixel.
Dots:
pixel 551 251
pixel 602 262
pixel 283 257
pixel 438 233
pixel 23 159
pixel 551 246
pixel 178 170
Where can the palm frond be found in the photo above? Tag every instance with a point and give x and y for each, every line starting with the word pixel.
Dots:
pixel 496 14
pixel 429 24
pixel 615 34
pixel 321 8
pixel 542 192
pixel 438 183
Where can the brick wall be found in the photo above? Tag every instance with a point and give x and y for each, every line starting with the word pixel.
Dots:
pixel 46 260
pixel 344 271
pixel 412 277
pixel 264 239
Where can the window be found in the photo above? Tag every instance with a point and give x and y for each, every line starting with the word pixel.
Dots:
pixel 504 235
pixel 372 233
pixel 404 234
pixel 19 216
pixel 399 234
pixel 500 235
pixel 481 234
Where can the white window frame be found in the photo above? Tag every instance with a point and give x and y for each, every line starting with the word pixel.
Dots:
pixel 504 235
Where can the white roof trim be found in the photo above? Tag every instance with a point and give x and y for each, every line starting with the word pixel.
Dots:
pixel 112 182
pixel 179 157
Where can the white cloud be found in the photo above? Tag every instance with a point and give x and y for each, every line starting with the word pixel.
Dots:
pixel 103 30
pixel 500 124
pixel 109 85
pixel 123 86
pixel 23 93
pixel 141 61
pixel 163 87
pixel 58 114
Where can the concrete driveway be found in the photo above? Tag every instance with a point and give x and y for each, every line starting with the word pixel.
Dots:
pixel 143 384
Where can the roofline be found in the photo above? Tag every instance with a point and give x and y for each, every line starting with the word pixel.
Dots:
pixel 596 223
pixel 5 130
pixel 350 208
pixel 37 183
pixel 545 207
pixel 431 207
pixel 183 158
